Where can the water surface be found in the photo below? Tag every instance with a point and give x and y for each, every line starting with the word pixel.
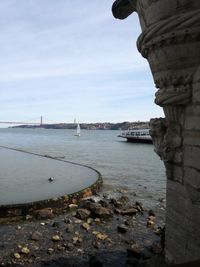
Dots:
pixel 124 166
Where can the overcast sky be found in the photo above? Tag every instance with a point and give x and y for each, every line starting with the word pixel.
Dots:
pixel 71 59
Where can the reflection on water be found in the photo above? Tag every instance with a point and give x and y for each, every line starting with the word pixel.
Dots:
pixel 134 167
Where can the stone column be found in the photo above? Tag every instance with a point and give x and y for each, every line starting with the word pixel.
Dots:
pixel 170 40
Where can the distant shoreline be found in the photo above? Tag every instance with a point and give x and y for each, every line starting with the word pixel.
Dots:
pixel 89 126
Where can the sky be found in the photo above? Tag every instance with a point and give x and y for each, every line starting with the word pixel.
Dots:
pixel 72 59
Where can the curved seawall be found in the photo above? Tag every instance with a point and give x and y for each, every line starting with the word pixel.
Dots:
pixel 25 184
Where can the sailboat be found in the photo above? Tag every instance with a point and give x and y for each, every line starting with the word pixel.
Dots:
pixel 78 130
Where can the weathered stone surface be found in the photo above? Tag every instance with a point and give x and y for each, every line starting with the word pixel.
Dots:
pixel 170 42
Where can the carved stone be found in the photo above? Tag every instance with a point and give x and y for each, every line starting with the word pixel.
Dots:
pixel 170 40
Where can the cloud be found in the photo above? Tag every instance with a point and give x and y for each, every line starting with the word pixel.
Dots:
pixel 61 57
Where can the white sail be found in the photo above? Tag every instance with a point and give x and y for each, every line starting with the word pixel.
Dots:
pixel 78 130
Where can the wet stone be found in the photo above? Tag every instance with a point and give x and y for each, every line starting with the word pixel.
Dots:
pixel 46 213
pixel 17 255
pixel 25 250
pixel 85 226
pixel 152 213
pixel 36 236
pixel 55 238
pixel 129 211
pixel 69 228
pixel 50 250
pixel 122 228
pixel 102 212
pixel 56 224
pixel 83 214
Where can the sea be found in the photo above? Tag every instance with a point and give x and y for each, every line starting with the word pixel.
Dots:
pixel 129 168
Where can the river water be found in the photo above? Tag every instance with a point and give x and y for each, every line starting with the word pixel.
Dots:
pixel 128 167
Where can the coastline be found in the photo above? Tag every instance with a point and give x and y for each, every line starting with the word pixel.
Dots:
pixel 121 228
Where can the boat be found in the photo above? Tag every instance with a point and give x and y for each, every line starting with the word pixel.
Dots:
pixel 78 130
pixel 137 136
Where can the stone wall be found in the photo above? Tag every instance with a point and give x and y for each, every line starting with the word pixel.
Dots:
pixel 170 40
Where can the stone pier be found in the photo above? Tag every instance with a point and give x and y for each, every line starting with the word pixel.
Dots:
pixel 170 40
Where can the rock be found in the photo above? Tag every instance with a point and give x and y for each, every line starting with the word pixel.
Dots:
pixel 152 213
pixel 46 213
pixel 78 221
pixel 139 205
pixel 85 226
pixel 17 255
pixel 135 251
pixel 55 238
pixel 83 214
pixel 103 203
pixel 73 206
pixel 101 236
pixel 36 236
pixel 55 224
pixel 69 228
pixel 77 240
pixel 97 220
pixel 28 217
pixel 122 228
pixel 129 211
pixel 96 244
pixel 123 199
pixel 25 250
pixel 117 211
pixel 152 218
pixel 150 223
pixel 129 222
pixel 89 220
pixel 50 250
pixel 102 212
pixel 67 220
pixel 88 204
pixel 69 246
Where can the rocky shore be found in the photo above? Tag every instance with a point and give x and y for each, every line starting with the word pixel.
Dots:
pixel 99 231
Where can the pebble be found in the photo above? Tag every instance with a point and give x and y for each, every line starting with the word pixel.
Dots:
pixel 150 223
pixel 25 250
pixel 55 237
pixel 83 214
pixel 122 228
pixel 36 236
pixel 50 250
pixel 55 224
pixel 73 206
pixel 85 226
pixel 129 211
pixel 77 240
pixel 46 213
pixel 102 212
pixel 17 256
pixel 101 236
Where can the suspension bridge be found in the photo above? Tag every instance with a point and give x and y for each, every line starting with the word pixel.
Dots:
pixel 23 123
